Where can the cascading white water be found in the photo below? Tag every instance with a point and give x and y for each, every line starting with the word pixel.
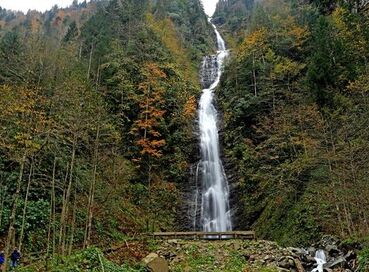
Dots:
pixel 320 260
pixel 215 209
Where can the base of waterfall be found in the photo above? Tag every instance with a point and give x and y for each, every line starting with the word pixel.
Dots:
pixel 200 235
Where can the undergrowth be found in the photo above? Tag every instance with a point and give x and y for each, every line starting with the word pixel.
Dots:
pixel 91 259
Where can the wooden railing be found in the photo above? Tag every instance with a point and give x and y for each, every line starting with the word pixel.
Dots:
pixel 196 235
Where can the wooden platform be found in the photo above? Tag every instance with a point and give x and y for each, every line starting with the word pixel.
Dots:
pixel 197 235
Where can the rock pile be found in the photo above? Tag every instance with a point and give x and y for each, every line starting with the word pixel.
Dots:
pixel 339 257
pixel 254 255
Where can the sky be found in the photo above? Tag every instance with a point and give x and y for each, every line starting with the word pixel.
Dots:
pixel 43 5
pixel 209 6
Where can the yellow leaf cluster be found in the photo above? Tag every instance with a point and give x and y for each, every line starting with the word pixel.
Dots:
pixel 190 108
pixel 256 42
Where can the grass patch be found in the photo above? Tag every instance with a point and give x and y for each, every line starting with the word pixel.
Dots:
pixel 91 259
pixel 363 259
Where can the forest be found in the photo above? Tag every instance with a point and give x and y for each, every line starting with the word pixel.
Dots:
pixel 295 113
pixel 98 120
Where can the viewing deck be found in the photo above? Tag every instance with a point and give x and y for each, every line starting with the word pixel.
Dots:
pixel 198 235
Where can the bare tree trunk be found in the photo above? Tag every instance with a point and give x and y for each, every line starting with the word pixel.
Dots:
pixel 97 82
pixel 90 61
pixel 146 112
pixel 67 198
pixel 85 243
pixel 73 224
pixel 366 221
pixel 53 204
pixel 254 75
pixel 25 206
pixel 80 51
pixel 149 189
pixel 11 230
pixel 65 208
pixel 92 193
pixel 2 199
pixel 62 215
pixel 51 229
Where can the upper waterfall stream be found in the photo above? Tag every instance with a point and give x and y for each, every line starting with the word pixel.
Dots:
pixel 215 209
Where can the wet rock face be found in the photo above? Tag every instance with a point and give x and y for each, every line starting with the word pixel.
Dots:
pixel 209 71
pixel 189 212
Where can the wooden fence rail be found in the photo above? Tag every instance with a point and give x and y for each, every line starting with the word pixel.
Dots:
pixel 196 235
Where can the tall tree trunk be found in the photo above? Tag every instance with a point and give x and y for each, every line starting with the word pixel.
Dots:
pixel 149 189
pixel 73 226
pixel 90 62
pixel 51 229
pixel 11 230
pixel 146 112
pixel 97 81
pixel 25 206
pixel 65 209
pixel 3 189
pixel 80 51
pixel 62 215
pixel 91 197
pixel 254 75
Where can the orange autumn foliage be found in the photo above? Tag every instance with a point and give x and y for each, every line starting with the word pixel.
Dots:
pixel 190 107
pixel 151 104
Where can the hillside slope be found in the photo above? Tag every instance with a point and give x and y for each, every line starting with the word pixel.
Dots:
pixel 97 109
pixel 294 97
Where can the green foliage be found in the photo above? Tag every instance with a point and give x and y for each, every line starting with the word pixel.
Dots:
pixel 288 96
pixel 334 36
pixel 364 260
pixel 91 259
pixel 189 19
pixel 95 100
pixel 216 257
pixel 233 13
pixel 235 263
pixel 72 32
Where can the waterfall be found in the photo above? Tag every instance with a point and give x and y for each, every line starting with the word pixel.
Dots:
pixel 320 260
pixel 215 209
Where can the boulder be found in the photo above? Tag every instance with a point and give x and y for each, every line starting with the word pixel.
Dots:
pixel 340 262
pixel 281 269
pixel 351 255
pixel 311 251
pixel 309 259
pixel 286 262
pixel 237 245
pixel 155 263
pixel 298 251
pixel 328 240
pixel 332 250
pixel 299 265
